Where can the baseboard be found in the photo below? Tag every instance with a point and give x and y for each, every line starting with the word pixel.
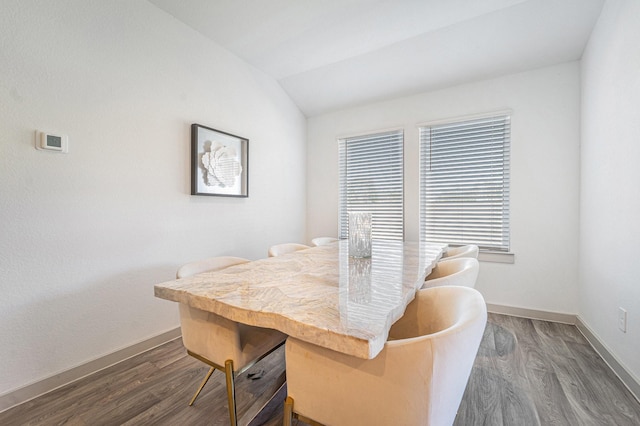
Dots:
pixel 532 314
pixel 631 382
pixel 30 391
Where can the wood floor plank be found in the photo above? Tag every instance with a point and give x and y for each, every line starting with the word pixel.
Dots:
pixel 614 401
pixel 526 372
pixel 551 403
pixel 481 404
pixel 511 366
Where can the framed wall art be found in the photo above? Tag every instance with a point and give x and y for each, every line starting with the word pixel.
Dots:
pixel 219 163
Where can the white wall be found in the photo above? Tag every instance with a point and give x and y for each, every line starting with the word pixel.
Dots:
pixel 610 191
pixel 544 170
pixel 85 236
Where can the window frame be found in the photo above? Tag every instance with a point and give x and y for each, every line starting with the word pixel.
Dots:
pixel 380 229
pixel 487 252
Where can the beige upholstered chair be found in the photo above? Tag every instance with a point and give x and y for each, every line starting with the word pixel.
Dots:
pixel 461 271
pixel 462 251
pixel 223 344
pixel 418 378
pixel 321 241
pixel 280 249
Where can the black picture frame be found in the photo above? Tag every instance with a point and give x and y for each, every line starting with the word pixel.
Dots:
pixel 219 163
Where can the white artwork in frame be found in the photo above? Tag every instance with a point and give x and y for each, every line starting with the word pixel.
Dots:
pixel 219 163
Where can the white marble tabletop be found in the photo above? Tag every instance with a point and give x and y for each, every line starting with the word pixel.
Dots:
pixel 320 295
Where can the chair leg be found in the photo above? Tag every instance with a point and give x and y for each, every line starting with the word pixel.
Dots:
pixel 288 411
pixel 231 392
pixel 204 382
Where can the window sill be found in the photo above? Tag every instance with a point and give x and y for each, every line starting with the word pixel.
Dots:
pixel 492 256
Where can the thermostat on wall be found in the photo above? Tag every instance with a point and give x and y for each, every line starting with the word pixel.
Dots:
pixel 52 142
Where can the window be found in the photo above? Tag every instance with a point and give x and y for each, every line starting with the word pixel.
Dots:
pixel 464 182
pixel 371 180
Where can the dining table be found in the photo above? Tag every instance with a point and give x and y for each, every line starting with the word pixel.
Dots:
pixel 320 295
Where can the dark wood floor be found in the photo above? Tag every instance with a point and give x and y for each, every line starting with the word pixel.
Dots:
pixel 527 372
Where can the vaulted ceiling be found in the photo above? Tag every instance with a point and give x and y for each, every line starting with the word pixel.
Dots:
pixel 332 54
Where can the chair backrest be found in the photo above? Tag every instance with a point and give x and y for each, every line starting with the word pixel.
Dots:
pixel 462 271
pixel 418 378
pixel 280 249
pixel 453 320
pixel 203 331
pixel 470 250
pixel 321 241
pixel 210 264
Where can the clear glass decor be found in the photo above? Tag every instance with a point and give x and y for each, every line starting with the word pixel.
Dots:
pixel 360 234
pixel 360 280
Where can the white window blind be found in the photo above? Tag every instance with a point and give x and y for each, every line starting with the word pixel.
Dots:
pixel 464 183
pixel 371 180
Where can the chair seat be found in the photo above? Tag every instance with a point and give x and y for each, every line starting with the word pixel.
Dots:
pixel 219 339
